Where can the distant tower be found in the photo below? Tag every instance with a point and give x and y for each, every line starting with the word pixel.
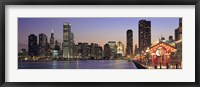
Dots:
pixel 72 44
pixel 178 31
pixel 113 49
pixel 67 40
pixel 52 40
pixel 120 49
pixel 129 42
pixel 176 34
pixel 107 51
pixel 32 45
pixel 144 34
pixel 136 50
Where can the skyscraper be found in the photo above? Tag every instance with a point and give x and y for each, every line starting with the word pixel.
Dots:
pixel 136 50
pixel 57 46
pixel 178 31
pixel 43 45
pixel 85 50
pixel 72 44
pixel 98 52
pixel 144 34
pixel 129 42
pixel 56 50
pixel 113 49
pixel 80 49
pixel 176 34
pixel 107 51
pixel 67 36
pixel 32 45
pixel 92 50
pixel 52 40
pixel 75 51
pixel 120 49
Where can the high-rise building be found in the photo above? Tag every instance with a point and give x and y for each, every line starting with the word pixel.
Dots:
pixel 80 50
pixel 120 49
pixel 67 40
pixel 178 31
pixel 75 51
pixel 56 50
pixel 48 49
pixel 144 34
pixel 85 50
pixel 52 40
pixel 113 49
pixel 98 52
pixel 32 45
pixel 176 34
pixel 92 50
pixel 129 43
pixel 72 44
pixel 136 50
pixel 43 45
pixel 22 54
pixel 95 51
pixel 57 46
pixel 107 51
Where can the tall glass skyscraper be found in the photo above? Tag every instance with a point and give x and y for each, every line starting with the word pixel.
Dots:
pixel 52 40
pixel 113 49
pixel 67 40
pixel 43 45
pixel 32 45
pixel 129 42
pixel 144 34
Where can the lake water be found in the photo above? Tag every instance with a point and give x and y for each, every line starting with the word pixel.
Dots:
pixel 78 64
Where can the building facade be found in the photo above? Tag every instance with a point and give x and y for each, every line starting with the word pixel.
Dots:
pixel 178 31
pixel 98 52
pixel 113 49
pixel 32 45
pixel 43 45
pixel 136 51
pixel 120 49
pixel 144 34
pixel 52 42
pixel 56 50
pixel 67 40
pixel 129 43
pixel 85 51
pixel 107 51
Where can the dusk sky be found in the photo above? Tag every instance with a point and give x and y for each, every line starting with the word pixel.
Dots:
pixel 94 30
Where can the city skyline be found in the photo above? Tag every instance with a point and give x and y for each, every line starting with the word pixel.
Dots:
pixel 96 30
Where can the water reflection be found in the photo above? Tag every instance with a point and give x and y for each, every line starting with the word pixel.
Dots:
pixel 78 64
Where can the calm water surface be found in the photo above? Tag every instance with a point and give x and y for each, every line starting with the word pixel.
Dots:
pixel 78 64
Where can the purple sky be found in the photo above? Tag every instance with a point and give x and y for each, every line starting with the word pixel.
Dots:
pixel 96 30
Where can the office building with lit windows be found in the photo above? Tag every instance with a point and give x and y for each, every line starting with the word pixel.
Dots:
pixel 144 34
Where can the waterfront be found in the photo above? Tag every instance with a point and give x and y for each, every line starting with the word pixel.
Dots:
pixel 97 48
pixel 77 64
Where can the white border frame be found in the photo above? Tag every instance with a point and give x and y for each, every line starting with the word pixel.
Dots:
pixel 187 74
